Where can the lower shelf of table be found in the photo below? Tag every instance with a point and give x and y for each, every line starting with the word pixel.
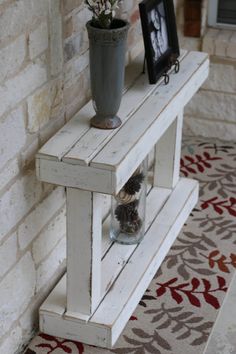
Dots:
pixel 133 277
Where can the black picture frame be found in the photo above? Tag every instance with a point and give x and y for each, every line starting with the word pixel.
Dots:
pixel 160 36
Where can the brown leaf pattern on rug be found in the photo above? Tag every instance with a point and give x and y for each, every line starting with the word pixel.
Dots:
pixel 179 308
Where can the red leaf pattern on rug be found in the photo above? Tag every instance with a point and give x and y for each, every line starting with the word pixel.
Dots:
pixel 58 344
pixel 196 163
pixel 178 291
pixel 221 205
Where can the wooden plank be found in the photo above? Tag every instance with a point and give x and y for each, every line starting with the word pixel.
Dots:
pixel 84 223
pixel 167 155
pixel 63 327
pixel 145 138
pixel 93 141
pixel 177 93
pixel 56 301
pixel 118 255
pixel 68 135
pixel 63 174
pixel 106 324
pixel 147 258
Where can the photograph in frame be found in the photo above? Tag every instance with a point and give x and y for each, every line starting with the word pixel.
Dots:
pixel 160 36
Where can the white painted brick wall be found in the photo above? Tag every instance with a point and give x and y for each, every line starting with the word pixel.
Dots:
pixel 40 216
pixel 74 67
pixel 12 57
pixel 38 40
pixel 19 87
pixel 211 113
pixel 204 127
pixel 17 202
pixel 49 266
pixel 44 104
pixel 8 254
pixel 213 105
pixel 12 342
pixel 20 16
pixel 49 237
pixel 10 171
pixel 11 129
pixel 17 290
pixel 56 47
pixel 222 77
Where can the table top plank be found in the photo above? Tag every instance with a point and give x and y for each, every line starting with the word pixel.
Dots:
pixel 122 144
pixel 137 92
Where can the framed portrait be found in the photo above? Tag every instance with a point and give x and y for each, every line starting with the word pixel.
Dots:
pixel 159 35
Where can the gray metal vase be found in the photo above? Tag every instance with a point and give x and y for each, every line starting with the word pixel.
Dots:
pixel 107 64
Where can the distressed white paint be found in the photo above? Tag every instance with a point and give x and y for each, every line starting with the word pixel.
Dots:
pixel 104 327
pixel 94 140
pixel 167 155
pixel 74 176
pixel 84 239
pixel 121 273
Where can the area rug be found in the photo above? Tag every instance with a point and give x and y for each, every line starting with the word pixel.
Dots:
pixel 178 310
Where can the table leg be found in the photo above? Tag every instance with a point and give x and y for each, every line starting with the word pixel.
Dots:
pixel 167 155
pixel 84 238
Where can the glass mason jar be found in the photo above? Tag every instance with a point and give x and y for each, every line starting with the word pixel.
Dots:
pixel 128 209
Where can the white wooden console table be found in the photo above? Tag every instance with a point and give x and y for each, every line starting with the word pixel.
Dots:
pixel 105 281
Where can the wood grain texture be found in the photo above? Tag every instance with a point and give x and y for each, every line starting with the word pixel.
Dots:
pixel 167 155
pixel 84 251
pixel 92 142
pixel 104 327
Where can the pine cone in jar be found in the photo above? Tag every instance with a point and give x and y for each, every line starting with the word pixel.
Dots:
pixel 127 212
pixel 133 185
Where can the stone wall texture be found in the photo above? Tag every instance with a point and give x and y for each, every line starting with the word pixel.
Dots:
pixel 44 81
pixel 212 112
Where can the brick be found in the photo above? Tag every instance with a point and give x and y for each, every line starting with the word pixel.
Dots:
pixel 231 49
pixel 8 253
pixel 127 6
pixel 17 290
pixel 68 27
pixel 208 44
pixel 70 5
pixel 12 129
pixel 20 16
pixel 10 171
pixel 80 19
pixel 76 66
pixel 43 104
pixel 38 40
pixel 135 16
pixel 40 216
pixel 222 42
pixel 12 58
pixel 13 342
pixel 222 77
pixel 56 35
pixel 73 47
pixel 213 105
pixel 28 154
pixel 51 128
pixel 18 200
pixel 189 43
pixel 49 237
pixel 202 127
pixel 50 266
pixel 19 87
